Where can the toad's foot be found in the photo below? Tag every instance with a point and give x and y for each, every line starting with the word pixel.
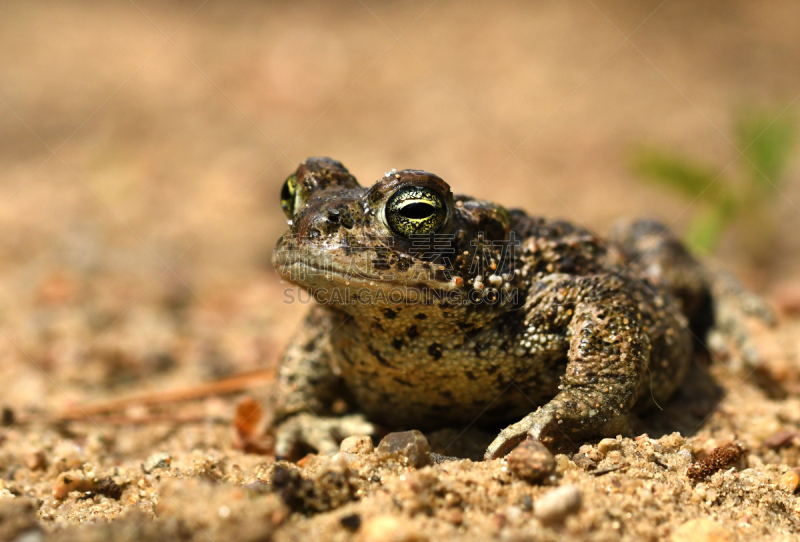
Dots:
pixel 320 433
pixel 541 425
pixel 550 426
pixel 511 436
pixel 735 312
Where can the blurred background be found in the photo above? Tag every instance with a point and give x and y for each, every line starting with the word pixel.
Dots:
pixel 143 145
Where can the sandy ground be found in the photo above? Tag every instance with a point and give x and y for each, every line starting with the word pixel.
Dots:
pixel 177 471
pixel 142 148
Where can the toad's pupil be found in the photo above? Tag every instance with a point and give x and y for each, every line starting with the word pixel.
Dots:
pixel 417 210
pixel 286 192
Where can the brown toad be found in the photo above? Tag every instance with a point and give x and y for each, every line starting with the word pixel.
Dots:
pixel 435 310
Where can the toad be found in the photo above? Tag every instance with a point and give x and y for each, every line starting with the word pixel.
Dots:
pixel 438 310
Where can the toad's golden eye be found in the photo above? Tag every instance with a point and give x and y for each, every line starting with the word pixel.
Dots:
pixel 287 196
pixel 415 210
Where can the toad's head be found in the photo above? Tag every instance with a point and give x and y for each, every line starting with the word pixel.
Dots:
pixel 404 235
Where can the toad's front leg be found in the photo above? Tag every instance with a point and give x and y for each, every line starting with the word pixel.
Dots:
pixel 308 385
pixel 608 354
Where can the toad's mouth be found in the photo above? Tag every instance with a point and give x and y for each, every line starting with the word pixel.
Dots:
pixel 326 274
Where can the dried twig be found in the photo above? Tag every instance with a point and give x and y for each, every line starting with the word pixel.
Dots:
pixel 149 419
pixel 225 386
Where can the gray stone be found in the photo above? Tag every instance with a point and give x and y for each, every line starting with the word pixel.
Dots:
pixel 408 447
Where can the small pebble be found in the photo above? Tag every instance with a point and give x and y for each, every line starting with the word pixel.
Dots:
pixel 411 447
pixel 452 515
pixel 352 461
pixel 67 482
pixel 701 530
pixel 607 444
pixel 531 461
pixel 108 487
pixel 35 460
pixel 787 298
pixel 248 416
pixel 781 439
pixel 556 505
pixel 452 499
pixel 584 462
pixel 160 460
pixel 563 464
pixel 591 452
pixel 8 417
pixel 351 522
pixel 514 515
pixel 34 535
pixel 360 445
pixel 671 442
pixel 789 481
pixel 389 529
